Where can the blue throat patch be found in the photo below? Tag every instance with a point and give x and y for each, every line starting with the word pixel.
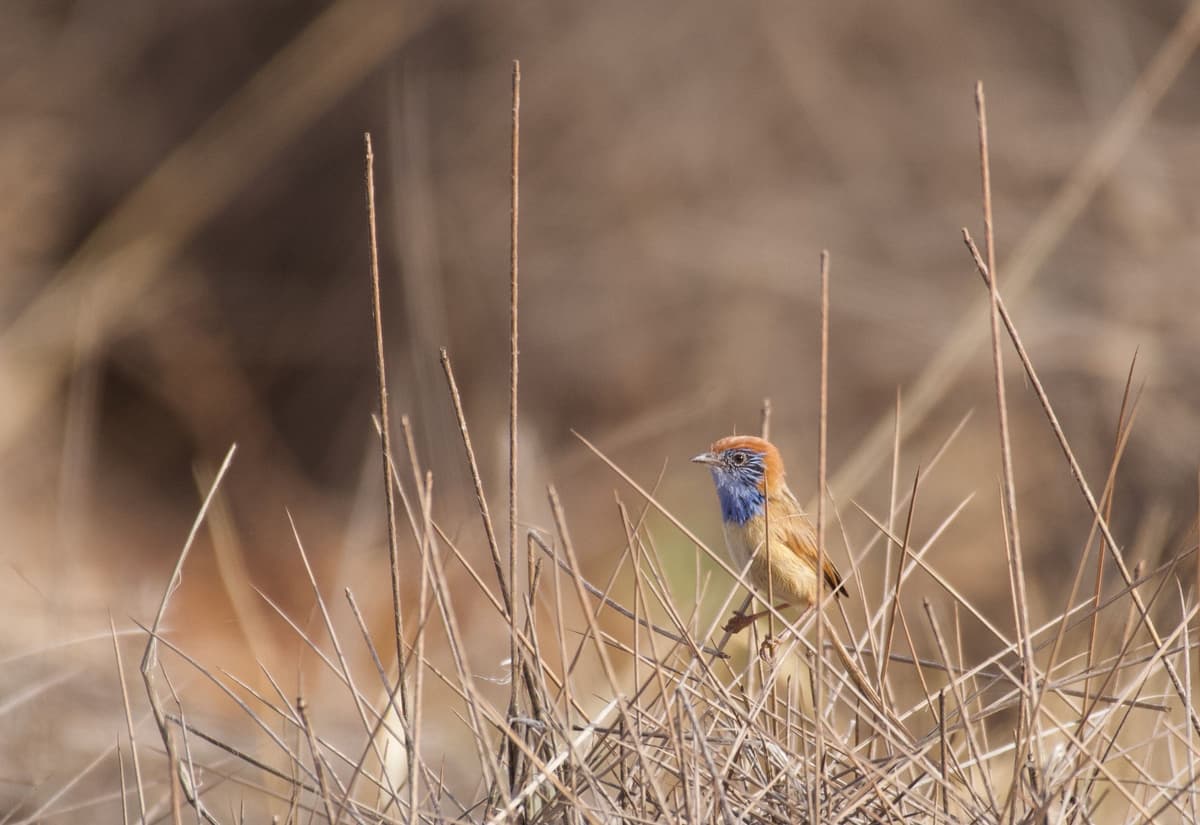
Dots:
pixel 741 500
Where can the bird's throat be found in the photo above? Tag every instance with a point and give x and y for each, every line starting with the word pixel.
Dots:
pixel 740 502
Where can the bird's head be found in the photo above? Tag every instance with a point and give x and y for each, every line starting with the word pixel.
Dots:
pixel 745 470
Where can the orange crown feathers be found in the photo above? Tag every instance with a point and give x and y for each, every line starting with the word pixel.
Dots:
pixel 773 475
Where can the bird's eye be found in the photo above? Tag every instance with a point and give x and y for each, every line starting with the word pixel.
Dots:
pixel 738 458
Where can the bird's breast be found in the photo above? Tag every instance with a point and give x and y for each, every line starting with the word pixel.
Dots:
pixel 743 539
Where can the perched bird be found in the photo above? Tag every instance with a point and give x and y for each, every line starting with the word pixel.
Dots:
pixel 765 527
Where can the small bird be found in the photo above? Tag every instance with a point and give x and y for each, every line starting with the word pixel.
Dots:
pixel 765 526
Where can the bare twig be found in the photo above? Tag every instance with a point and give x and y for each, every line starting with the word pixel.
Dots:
pixel 384 420
pixel 817 790
pixel 174 772
pixel 150 656
pixel 137 765
pixel 513 365
pixel 302 712
pixel 1016 563
pixel 890 628
pixel 480 498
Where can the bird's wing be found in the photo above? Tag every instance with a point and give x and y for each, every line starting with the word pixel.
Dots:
pixel 801 538
pixel 834 579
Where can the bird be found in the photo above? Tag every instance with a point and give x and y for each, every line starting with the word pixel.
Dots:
pixel 766 529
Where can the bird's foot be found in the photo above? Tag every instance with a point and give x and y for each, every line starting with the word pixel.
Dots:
pixel 739 622
pixel 766 650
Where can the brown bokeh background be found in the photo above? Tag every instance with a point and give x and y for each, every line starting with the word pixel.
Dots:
pixel 185 265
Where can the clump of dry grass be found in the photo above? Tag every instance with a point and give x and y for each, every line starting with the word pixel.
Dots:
pixel 635 709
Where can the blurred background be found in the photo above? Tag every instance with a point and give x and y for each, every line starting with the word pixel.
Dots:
pixel 184 265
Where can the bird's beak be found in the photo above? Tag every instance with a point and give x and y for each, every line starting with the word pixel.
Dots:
pixel 707 458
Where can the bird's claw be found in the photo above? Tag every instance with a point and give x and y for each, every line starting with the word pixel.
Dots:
pixel 766 650
pixel 737 623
